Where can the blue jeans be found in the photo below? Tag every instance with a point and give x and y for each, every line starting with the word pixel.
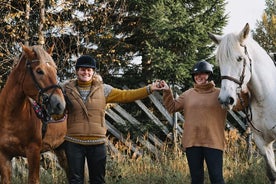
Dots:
pixel 96 161
pixel 214 162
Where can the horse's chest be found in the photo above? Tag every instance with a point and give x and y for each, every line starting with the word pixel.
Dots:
pixel 15 137
pixel 11 144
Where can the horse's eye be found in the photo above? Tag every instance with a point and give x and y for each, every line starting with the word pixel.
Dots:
pixel 239 59
pixel 40 72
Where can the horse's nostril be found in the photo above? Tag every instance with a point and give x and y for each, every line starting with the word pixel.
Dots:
pixel 227 101
pixel 230 100
pixel 58 107
pixel 219 99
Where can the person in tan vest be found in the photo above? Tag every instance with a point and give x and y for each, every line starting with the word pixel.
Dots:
pixel 203 132
pixel 87 97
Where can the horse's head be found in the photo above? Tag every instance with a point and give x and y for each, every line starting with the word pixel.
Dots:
pixel 40 78
pixel 235 65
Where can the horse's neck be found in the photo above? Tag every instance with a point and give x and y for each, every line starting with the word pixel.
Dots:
pixel 12 94
pixel 263 83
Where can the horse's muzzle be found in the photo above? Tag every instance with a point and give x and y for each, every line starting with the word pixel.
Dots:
pixel 56 105
pixel 227 102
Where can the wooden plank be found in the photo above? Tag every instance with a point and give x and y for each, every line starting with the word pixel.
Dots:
pixel 126 115
pixel 112 147
pixel 153 117
pixel 165 113
pixel 135 122
pixel 119 136
pixel 115 117
pixel 241 114
pixel 240 122
pixel 158 96
pixel 153 149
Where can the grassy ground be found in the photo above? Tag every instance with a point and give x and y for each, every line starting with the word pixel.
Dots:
pixel 168 168
pixel 175 170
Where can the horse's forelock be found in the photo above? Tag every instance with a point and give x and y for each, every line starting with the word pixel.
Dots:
pixel 228 48
pixel 43 56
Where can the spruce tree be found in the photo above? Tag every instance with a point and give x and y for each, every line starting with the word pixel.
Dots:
pixel 175 36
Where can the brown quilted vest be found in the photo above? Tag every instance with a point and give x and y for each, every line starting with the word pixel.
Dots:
pixel 86 119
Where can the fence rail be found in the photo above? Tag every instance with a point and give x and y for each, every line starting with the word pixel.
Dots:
pixel 121 116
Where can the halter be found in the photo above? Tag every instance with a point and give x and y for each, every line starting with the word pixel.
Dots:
pixel 248 110
pixel 241 79
pixel 43 99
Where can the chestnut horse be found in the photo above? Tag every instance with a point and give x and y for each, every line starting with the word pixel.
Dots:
pixel 32 81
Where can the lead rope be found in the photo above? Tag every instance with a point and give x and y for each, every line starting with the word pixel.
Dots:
pixel 248 113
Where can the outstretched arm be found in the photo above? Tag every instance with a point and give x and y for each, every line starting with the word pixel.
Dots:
pixel 116 95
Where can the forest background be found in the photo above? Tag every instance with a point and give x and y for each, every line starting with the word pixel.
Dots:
pixel 134 43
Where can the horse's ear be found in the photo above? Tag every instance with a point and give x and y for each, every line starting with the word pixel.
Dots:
pixel 215 38
pixel 244 33
pixel 50 50
pixel 28 51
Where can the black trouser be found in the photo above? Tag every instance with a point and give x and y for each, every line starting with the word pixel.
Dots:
pixel 213 159
pixel 96 161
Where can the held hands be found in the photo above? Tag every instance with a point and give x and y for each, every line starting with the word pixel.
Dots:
pixel 159 85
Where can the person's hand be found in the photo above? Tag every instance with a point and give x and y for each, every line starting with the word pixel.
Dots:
pixel 159 85
pixel 163 85
pixel 155 86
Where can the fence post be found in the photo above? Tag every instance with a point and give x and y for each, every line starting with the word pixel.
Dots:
pixel 175 119
pixel 249 142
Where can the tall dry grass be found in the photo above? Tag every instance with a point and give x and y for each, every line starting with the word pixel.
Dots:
pixel 170 166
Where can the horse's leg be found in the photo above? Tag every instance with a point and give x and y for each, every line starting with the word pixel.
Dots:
pixel 5 169
pixel 33 157
pixel 270 163
pixel 267 151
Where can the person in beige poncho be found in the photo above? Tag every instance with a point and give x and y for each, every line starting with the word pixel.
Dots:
pixel 203 136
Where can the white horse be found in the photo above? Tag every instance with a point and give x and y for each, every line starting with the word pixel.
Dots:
pixel 244 65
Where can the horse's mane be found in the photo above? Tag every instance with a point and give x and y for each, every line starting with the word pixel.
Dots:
pixel 230 43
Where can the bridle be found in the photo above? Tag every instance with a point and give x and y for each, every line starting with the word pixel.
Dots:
pixel 43 101
pixel 241 79
pixel 248 110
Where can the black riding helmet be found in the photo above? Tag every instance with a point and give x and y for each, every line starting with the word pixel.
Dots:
pixel 202 67
pixel 86 61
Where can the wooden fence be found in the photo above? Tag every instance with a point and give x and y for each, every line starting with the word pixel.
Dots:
pixel 170 125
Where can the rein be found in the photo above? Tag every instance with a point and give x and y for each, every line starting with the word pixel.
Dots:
pixel 248 110
pixel 40 107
